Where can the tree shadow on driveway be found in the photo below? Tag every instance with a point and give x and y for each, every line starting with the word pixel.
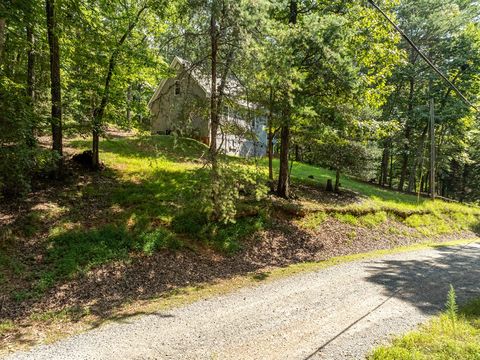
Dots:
pixel 425 282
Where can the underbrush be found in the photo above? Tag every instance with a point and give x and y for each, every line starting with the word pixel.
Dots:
pixel 224 237
pixel 73 253
pixel 450 335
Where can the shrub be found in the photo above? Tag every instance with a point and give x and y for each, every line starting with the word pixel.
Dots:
pixel 15 169
pixel 160 238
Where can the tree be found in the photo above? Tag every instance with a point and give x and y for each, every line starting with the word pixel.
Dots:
pixel 283 173
pixel 343 156
pixel 113 63
pixel 99 111
pixel 442 38
pixel 55 80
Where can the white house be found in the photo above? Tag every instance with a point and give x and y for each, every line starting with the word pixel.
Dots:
pixel 181 104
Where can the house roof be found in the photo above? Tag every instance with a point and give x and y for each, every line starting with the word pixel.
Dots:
pixel 232 87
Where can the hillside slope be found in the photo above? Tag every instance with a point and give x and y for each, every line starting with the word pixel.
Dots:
pixel 84 250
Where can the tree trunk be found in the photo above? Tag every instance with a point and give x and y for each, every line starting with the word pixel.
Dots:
pixel 390 176
pixel 129 104
pixel 337 180
pixel 403 172
pixel 3 29
pixel 418 159
pixel 384 166
pixel 99 112
pixel 270 157
pixel 214 117
pixel 31 79
pixel 406 149
pixel 56 90
pixel 283 178
pixel 297 153
pixel 30 64
pixel 329 186
pixel 270 142
pixel 422 183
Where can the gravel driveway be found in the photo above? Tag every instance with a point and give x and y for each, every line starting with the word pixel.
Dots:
pixel 338 313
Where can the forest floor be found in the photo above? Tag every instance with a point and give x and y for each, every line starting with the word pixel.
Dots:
pixel 103 246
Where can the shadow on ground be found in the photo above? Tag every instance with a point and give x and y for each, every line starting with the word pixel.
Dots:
pixel 425 283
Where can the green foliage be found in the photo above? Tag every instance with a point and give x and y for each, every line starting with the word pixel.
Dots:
pixel 347 219
pixel 313 221
pixel 228 239
pixel 233 181
pixel 451 306
pixel 79 251
pixel 149 242
pixel 373 220
pixel 6 326
pixel 406 113
pixel 343 155
pixel 430 224
pixel 442 338
pixel 225 237
pixel 17 158
pixel 75 252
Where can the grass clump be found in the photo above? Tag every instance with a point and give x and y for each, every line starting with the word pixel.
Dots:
pixel 347 219
pixel 313 221
pixel 452 335
pixel 371 220
pixel 6 326
pixel 429 224
pixel 158 239
pixel 374 219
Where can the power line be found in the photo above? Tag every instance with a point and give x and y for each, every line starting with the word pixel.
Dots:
pixel 424 57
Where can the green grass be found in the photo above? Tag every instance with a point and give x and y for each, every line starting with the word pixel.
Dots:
pixel 347 219
pixel 6 326
pixel 371 220
pixel 313 221
pixel 427 217
pixel 448 336
pixel 430 224
pixel 374 219
pixel 148 200
pixel 145 201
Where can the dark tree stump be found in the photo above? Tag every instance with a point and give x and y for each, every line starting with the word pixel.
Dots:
pixel 329 185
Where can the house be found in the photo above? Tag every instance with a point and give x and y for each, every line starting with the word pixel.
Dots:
pixel 181 105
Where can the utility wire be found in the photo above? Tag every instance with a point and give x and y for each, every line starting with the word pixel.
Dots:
pixel 423 56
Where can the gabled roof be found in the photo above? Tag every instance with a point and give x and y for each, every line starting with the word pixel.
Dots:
pixel 232 87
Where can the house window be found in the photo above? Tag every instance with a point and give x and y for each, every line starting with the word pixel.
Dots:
pixel 177 87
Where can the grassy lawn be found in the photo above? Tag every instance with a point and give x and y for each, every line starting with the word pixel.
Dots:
pixel 448 336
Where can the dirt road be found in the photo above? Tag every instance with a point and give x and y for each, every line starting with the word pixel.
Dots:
pixel 338 313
